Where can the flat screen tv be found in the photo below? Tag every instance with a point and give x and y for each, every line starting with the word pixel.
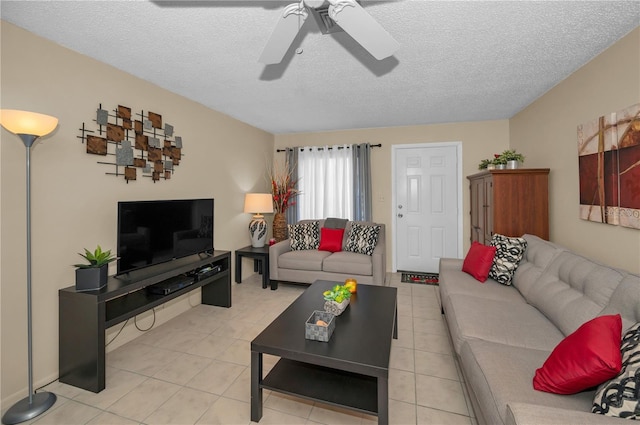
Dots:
pixel 154 232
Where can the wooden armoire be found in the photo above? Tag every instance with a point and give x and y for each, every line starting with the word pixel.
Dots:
pixel 509 202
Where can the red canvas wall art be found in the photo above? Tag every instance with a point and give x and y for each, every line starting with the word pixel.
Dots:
pixel 609 167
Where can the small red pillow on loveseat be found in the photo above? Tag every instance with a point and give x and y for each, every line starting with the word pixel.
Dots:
pixel 479 260
pixel 331 239
pixel 586 358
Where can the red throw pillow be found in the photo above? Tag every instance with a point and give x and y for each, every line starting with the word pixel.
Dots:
pixel 584 359
pixel 331 239
pixel 478 261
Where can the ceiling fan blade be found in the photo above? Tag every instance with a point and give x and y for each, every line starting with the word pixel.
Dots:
pixel 356 22
pixel 283 35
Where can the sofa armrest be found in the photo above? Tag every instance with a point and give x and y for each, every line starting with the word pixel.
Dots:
pixel 379 259
pixel 531 414
pixel 275 251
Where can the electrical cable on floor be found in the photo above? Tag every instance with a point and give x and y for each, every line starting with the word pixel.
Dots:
pixel 135 322
pixel 112 339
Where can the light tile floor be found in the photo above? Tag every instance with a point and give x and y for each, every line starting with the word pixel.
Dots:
pixel 195 369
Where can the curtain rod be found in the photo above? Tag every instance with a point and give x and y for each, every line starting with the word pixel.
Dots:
pixel 379 145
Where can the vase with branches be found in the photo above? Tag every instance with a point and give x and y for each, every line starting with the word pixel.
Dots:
pixel 283 193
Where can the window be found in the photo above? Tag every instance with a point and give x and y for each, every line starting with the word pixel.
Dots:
pixel 325 179
pixel 334 182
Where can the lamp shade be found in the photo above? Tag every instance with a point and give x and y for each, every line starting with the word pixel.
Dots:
pixel 257 203
pixel 25 122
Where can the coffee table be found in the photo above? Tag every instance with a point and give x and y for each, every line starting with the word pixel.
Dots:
pixel 350 370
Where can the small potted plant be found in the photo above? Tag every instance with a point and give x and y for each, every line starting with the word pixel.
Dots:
pixel 484 164
pixel 336 299
pixel 93 275
pixel 499 162
pixel 512 158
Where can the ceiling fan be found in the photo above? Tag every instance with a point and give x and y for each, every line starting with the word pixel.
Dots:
pixel 348 14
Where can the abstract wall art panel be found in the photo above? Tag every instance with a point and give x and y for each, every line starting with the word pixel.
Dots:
pixel 134 141
pixel 609 168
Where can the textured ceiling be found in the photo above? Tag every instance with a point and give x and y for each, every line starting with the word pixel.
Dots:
pixel 458 61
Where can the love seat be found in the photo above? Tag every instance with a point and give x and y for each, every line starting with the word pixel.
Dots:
pixel 502 334
pixel 309 265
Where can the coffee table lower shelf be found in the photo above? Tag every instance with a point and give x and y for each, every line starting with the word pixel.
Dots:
pixel 336 387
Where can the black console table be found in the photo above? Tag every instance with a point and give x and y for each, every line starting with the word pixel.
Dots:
pixel 84 316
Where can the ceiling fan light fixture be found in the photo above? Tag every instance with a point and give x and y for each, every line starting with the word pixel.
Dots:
pixel 331 16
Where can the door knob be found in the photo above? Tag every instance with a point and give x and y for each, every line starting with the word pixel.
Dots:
pixel 399 207
pixel 399 215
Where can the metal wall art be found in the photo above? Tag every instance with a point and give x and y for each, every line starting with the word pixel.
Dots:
pixel 142 143
pixel 609 167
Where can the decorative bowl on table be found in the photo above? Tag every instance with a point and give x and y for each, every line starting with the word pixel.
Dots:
pixel 336 299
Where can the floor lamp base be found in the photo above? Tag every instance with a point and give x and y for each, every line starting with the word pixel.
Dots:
pixel 23 410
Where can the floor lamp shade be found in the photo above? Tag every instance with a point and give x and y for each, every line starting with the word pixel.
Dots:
pixel 29 123
pixel 258 204
pixel 28 126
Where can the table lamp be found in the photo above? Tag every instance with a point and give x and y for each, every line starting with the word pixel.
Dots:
pixel 257 204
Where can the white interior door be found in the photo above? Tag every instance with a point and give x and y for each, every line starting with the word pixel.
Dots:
pixel 427 196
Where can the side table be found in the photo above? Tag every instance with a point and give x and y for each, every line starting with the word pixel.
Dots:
pixel 260 262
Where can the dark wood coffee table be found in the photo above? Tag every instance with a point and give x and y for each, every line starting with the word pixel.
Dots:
pixel 351 370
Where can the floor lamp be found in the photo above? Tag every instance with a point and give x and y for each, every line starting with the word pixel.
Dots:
pixel 28 126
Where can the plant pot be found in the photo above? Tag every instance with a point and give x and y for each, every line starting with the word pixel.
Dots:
pixel 279 227
pixel 491 167
pixel 501 166
pixel 92 278
pixel 513 164
pixel 336 308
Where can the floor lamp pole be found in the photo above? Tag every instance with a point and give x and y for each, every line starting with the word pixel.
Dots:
pixel 35 404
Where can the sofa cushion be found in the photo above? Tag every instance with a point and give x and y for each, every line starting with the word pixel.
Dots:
pixel 479 260
pixel 619 397
pixel 331 239
pixel 335 223
pixel 497 383
pixel 453 280
pixel 304 236
pixel 303 260
pixel 573 290
pixel 537 257
pixel 348 263
pixel 509 252
pixel 624 300
pixel 516 324
pixel 586 358
pixel 362 238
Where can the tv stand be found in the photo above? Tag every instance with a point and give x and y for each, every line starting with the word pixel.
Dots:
pixel 85 316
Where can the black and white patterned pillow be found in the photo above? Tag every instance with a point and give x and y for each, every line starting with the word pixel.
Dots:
pixel 362 239
pixel 304 235
pixel 509 252
pixel 618 397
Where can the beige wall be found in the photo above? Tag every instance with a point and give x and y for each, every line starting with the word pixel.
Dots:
pixel 546 132
pixel 479 140
pixel 74 202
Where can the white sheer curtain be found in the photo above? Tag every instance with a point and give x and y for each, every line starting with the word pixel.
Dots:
pixel 326 182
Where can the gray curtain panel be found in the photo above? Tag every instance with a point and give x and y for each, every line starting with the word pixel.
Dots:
pixel 362 181
pixel 292 160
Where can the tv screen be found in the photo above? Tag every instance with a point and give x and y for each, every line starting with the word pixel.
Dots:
pixel 153 232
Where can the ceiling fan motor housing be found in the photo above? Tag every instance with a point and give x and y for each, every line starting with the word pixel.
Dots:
pixel 315 3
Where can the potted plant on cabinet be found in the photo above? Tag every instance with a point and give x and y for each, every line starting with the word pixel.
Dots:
pixel 512 158
pixel 499 162
pixel 484 164
pixel 92 276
